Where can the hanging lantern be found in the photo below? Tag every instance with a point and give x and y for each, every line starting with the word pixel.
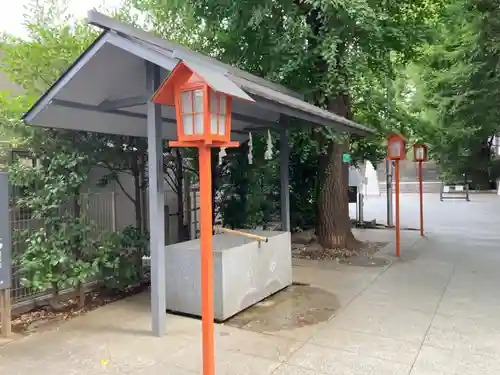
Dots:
pixel 202 104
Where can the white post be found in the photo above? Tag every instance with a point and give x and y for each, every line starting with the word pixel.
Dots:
pixel 388 169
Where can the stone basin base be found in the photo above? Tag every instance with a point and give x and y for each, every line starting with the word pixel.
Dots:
pixel 246 271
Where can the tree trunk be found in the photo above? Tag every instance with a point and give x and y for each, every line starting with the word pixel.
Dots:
pixel 142 179
pixel 77 247
pixel 333 222
pixel 135 169
pixel 188 205
pixel 179 177
pixel 136 174
pixel 214 155
pixel 55 299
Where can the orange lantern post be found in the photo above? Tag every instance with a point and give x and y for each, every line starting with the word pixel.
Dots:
pixel 420 155
pixel 203 111
pixel 396 146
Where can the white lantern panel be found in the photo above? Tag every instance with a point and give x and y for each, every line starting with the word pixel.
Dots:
pixel 213 123
pixel 395 148
pixel 187 104
pixel 187 124
pixel 218 109
pixel 198 124
pixel 222 125
pixel 214 102
pixel 419 153
pixel 222 108
pixel 198 101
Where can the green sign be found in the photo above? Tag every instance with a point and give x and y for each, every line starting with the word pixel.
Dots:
pixel 346 158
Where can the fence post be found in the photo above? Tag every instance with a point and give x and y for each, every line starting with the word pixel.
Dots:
pixel 113 211
pixel 6 312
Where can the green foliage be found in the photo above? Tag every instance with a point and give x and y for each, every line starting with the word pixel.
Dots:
pixel 248 194
pixel 117 255
pixel 304 164
pixel 342 55
pixel 58 254
pixel 66 250
pixel 13 134
pixel 457 86
pixel 48 261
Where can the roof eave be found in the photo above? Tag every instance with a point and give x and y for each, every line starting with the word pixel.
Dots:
pixel 53 89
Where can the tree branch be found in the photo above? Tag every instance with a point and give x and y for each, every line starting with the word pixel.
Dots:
pixel 117 179
pixel 171 182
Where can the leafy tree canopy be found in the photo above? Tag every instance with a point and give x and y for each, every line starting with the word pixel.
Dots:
pixel 457 86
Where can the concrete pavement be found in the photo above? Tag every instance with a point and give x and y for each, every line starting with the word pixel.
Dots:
pixel 432 312
pixel 448 217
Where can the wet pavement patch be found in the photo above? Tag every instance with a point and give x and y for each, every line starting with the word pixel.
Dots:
pixel 297 306
pixel 364 261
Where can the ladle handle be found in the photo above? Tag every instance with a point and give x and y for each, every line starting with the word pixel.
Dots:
pixel 243 234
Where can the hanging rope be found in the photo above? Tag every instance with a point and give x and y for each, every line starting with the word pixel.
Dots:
pixel 268 154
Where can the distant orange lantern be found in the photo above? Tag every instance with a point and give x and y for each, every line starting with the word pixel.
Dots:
pixel 396 146
pixel 396 150
pixel 419 152
pixel 419 156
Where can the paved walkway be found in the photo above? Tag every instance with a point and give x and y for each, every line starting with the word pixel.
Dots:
pixel 452 217
pixel 433 312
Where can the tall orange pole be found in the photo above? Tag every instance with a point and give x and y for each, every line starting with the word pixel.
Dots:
pixel 421 188
pixel 207 287
pixel 398 237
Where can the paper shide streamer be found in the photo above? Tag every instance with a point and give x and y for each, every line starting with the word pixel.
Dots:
pixel 268 154
pixel 250 149
pixel 222 154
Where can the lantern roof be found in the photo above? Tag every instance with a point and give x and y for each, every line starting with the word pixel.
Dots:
pixel 108 87
pixel 183 71
pixel 396 136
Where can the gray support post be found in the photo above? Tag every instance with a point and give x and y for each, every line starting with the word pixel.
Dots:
pixel 5 258
pixel 284 180
pixel 388 169
pixel 5 234
pixel 388 163
pixel 156 205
